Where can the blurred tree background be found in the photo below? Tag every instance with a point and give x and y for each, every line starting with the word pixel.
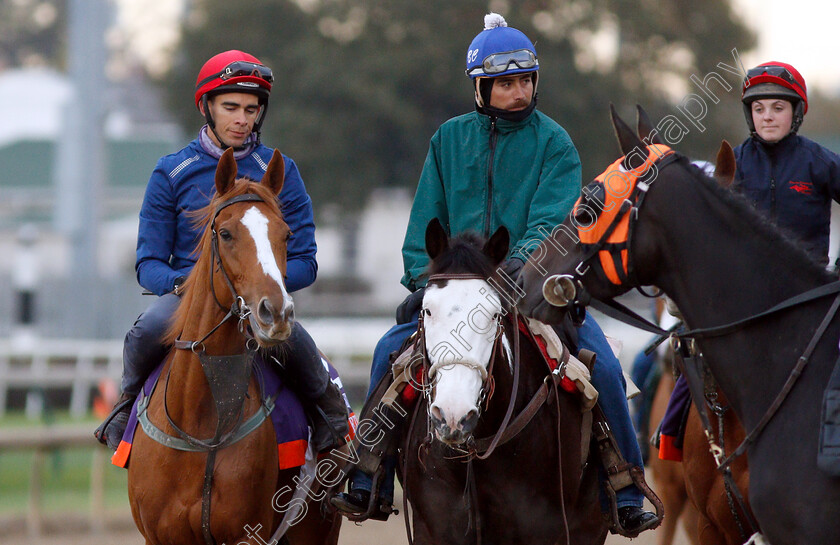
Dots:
pixel 363 84
pixel 32 33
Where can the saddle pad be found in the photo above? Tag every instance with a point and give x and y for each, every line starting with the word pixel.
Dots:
pixel 289 419
pixel 578 378
pixel 672 428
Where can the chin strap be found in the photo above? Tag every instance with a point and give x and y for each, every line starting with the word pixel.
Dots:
pixel 505 114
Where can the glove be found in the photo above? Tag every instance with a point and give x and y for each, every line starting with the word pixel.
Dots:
pixel 512 266
pixel 410 306
pixel 178 285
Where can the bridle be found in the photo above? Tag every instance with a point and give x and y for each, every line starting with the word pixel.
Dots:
pixel 238 308
pixel 485 372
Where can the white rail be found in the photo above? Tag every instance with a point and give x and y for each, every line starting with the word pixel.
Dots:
pixel 37 364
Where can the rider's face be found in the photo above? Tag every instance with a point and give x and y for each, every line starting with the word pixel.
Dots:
pixel 234 115
pixel 773 118
pixel 512 93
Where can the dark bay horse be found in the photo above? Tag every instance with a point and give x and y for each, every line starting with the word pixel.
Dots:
pixel 721 520
pixel 534 487
pixel 241 265
pixel 721 262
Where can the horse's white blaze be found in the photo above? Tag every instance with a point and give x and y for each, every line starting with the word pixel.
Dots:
pixel 257 225
pixel 460 329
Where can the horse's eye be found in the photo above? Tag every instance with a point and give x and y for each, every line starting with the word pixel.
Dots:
pixel 426 311
pixel 225 234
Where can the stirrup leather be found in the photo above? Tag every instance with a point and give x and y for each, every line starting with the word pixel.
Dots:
pixel 620 474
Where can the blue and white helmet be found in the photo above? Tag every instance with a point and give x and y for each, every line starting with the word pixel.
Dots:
pixel 500 50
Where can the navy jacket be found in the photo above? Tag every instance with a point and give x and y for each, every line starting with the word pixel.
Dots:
pixel 793 182
pixel 184 182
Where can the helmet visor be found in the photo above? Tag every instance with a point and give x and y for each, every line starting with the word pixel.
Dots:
pixel 498 63
pixel 240 69
pixel 776 71
pixel 243 68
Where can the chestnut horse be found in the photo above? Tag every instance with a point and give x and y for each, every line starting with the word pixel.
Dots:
pixel 733 276
pixel 221 492
pixel 534 487
pixel 669 477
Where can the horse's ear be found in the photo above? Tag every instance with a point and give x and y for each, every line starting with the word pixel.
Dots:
pixel 225 172
pixel 437 241
pixel 725 165
pixel 496 247
pixel 644 127
pixel 275 173
pixel 630 144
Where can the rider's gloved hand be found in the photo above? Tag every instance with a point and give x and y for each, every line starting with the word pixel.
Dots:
pixel 512 266
pixel 409 307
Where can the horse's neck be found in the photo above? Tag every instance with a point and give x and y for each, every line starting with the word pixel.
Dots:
pixel 717 266
pixel 717 273
pixel 193 400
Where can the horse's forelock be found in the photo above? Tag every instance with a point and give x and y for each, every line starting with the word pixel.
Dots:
pixel 464 255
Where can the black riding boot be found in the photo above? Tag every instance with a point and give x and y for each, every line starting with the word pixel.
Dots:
pixel 111 431
pixel 324 404
pixel 143 350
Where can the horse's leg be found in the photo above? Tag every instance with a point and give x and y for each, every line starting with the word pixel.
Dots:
pixel 709 534
pixel 316 528
pixel 669 476
pixel 691 521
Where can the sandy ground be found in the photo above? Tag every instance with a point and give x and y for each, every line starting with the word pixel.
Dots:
pixel 120 530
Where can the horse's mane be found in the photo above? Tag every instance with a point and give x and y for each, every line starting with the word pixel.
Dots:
pixel 463 255
pixel 200 274
pixel 784 244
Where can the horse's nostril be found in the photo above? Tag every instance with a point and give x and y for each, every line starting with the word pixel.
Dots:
pixel 289 312
pixel 437 414
pixel 265 311
pixel 469 421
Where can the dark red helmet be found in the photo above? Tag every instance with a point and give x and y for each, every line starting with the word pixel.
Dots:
pixel 234 72
pixel 775 80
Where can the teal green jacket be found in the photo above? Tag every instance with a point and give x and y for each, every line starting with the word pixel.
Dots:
pixel 480 174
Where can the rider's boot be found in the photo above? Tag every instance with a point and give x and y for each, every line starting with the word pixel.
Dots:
pixel 375 469
pixel 111 431
pixel 330 419
pixel 142 352
pixel 628 520
pixel 323 401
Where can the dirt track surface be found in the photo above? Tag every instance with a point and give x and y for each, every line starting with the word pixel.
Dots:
pixel 121 531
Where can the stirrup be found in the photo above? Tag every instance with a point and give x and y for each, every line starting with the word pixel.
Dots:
pixel 620 474
pixel 638 477
pixel 376 510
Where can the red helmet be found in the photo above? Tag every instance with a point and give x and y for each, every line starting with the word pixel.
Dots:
pixel 775 80
pixel 234 72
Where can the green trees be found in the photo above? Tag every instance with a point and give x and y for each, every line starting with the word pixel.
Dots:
pixel 363 84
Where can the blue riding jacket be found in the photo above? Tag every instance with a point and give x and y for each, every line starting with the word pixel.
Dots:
pixel 793 182
pixel 184 182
